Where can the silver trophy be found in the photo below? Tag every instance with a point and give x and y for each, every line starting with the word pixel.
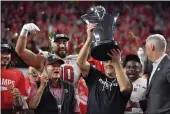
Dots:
pixel 103 33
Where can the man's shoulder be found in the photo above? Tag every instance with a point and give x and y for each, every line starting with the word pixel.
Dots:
pixel 15 71
pixel 93 68
pixel 71 61
pixel 71 57
pixel 94 74
pixel 166 64
pixel 141 82
pixel 166 60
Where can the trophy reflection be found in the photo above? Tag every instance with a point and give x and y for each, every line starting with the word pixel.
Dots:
pixel 103 33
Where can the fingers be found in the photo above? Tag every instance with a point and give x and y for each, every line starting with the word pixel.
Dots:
pixel 111 56
pixel 91 26
pixel 44 79
pixel 31 27
pixel 114 52
pixel 10 87
pixel 16 93
pixel 36 27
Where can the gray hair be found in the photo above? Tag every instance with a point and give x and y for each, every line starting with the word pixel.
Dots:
pixel 158 41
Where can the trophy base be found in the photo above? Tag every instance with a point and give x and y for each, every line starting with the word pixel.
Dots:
pixel 100 49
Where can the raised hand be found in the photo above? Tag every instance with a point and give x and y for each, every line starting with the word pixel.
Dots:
pixel 44 78
pixel 29 27
pixel 115 55
pixel 90 28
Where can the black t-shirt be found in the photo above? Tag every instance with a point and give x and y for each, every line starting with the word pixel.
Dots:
pixel 104 94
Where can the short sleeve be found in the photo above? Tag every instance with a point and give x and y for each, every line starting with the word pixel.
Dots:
pixel 21 83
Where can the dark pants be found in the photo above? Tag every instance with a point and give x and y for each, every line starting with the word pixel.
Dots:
pixel 10 111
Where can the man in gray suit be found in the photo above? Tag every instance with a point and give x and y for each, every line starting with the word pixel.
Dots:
pixel 158 91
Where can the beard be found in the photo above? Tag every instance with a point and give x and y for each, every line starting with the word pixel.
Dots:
pixel 61 54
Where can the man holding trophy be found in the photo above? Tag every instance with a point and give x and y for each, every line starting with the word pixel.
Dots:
pixel 109 92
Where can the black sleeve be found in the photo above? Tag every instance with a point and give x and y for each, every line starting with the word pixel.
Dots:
pixel 92 76
pixel 143 105
pixel 128 94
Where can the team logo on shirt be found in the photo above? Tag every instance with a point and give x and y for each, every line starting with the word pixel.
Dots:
pixel 107 84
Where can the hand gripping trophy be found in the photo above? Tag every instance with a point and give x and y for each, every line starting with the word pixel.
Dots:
pixel 103 33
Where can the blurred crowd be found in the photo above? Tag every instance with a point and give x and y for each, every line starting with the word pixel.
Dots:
pixel 136 21
pixel 61 85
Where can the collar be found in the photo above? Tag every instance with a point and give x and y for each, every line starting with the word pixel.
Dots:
pixel 159 60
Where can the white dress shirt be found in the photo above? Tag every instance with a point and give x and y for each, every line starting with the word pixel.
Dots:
pixel 155 65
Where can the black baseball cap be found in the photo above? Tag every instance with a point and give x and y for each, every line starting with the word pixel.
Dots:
pixel 6 47
pixel 58 35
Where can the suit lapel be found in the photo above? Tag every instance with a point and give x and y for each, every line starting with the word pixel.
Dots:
pixel 156 73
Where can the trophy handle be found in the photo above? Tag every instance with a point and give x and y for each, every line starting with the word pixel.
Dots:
pixel 115 15
pixel 90 18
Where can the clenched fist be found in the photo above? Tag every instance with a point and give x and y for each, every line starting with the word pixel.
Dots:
pixel 30 27
pixel 90 28
pixel 16 93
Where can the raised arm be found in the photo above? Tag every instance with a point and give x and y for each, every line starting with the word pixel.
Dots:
pixel 82 62
pixel 36 98
pixel 28 56
pixel 122 78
